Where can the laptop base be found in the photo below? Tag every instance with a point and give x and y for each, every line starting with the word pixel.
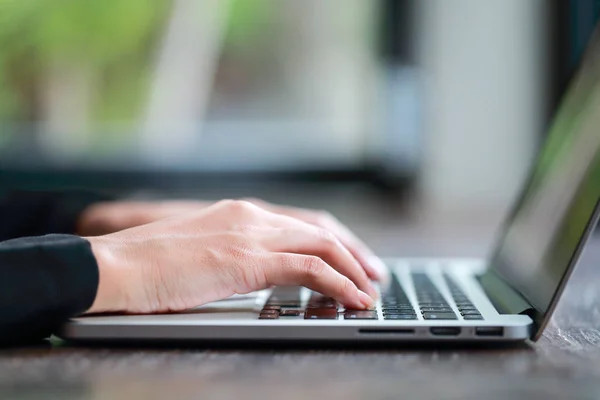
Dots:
pixel 434 288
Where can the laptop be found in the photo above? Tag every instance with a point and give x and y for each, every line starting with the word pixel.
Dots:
pixel 508 297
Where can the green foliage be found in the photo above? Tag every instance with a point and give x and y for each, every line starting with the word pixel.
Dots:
pixel 115 38
pixel 96 30
pixel 247 18
pixel 9 100
pixel 112 37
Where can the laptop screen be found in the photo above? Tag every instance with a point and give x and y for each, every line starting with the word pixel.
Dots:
pixel 552 216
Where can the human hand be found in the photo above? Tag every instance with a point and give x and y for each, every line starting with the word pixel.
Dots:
pixel 112 216
pixel 108 217
pixel 232 247
pixel 374 267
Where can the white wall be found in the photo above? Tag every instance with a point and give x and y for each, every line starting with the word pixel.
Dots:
pixel 483 63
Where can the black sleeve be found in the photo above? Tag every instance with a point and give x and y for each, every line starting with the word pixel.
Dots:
pixel 40 213
pixel 43 281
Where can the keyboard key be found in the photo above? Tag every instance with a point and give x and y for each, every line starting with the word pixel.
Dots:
pixel 269 311
pixel 400 317
pixel 285 296
pixel 436 309
pixel 321 313
pixel 366 309
pixel 427 304
pixel 268 307
pixel 286 304
pixel 406 308
pixel 471 307
pixel 268 316
pixel 360 315
pixel 465 304
pixel 431 301
pixel 470 312
pixel 289 313
pixel 399 313
pixel 446 315
pixel 322 306
pixel 320 301
pixel 398 308
pixel 467 317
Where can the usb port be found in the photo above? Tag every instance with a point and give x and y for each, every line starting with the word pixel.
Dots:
pixel 445 330
pixel 489 331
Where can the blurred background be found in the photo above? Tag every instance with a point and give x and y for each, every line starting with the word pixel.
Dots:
pixel 423 113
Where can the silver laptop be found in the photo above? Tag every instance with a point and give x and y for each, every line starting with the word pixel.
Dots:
pixel 508 297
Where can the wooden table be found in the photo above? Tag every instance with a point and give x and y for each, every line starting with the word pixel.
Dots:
pixel 564 364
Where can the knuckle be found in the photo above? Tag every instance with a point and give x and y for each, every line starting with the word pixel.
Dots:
pixel 279 269
pixel 287 262
pixel 329 241
pixel 223 203
pixel 244 269
pixel 242 207
pixel 313 267
pixel 253 200
pixel 347 286
pixel 326 236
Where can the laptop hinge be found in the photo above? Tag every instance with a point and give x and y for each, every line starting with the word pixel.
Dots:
pixel 506 299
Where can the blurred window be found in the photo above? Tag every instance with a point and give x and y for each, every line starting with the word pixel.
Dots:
pixel 187 84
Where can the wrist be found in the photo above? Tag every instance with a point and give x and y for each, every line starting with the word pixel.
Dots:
pixel 111 296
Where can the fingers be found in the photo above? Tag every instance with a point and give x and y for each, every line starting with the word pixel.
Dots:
pixel 286 233
pixel 314 273
pixel 309 240
pixel 372 265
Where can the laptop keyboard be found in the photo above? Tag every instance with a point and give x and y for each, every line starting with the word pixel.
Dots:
pixel 286 303
pixel 431 302
pixel 395 305
pixel 467 310
pixel 283 302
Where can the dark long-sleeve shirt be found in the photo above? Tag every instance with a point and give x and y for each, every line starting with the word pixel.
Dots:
pixel 47 274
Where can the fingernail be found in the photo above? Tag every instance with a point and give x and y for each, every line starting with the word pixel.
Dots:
pixel 365 299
